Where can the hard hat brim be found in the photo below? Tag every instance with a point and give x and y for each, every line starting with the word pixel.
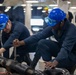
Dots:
pixel 2 26
pixel 50 22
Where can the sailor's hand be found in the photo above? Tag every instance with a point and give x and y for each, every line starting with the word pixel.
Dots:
pixel 17 43
pixel 2 50
pixel 51 64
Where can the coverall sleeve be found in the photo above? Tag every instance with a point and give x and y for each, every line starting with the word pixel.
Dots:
pixel 47 32
pixel 15 35
pixel 4 37
pixel 67 46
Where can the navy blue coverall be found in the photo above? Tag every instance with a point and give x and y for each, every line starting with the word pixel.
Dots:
pixel 64 49
pixel 18 31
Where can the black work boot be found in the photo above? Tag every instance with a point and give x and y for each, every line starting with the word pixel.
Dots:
pixel 35 60
pixel 27 59
pixel 72 70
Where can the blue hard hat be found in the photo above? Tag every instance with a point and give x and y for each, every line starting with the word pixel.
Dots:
pixel 3 20
pixel 55 16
